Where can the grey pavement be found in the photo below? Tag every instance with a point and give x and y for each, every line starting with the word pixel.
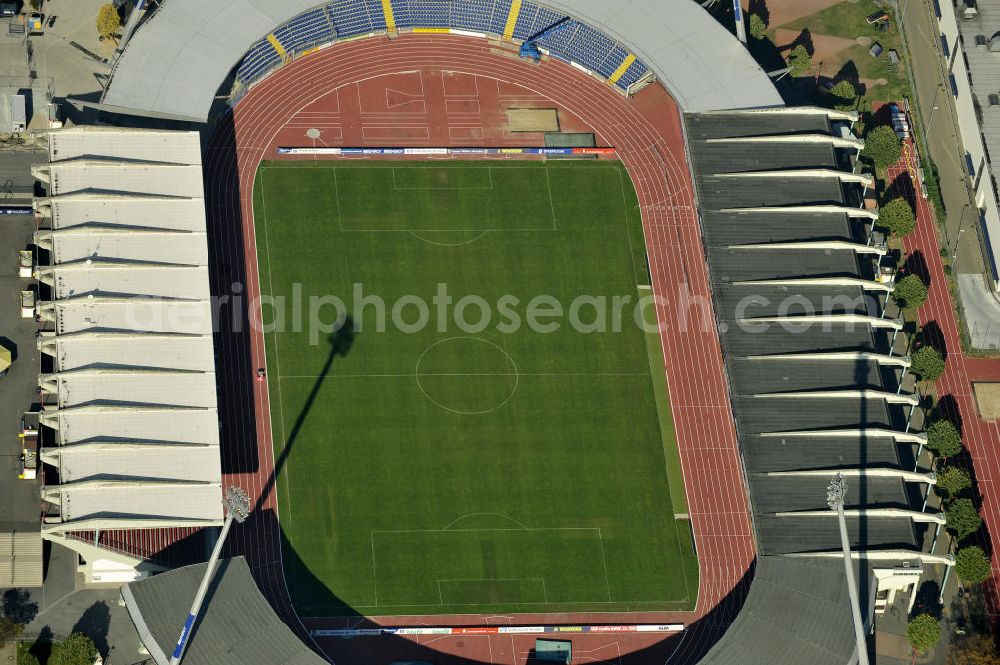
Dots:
pixel 982 311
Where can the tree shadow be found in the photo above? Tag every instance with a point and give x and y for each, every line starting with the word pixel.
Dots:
pixel 926 600
pixel 849 72
pixel 759 7
pixel 42 647
pixel 916 264
pixel 803 39
pixel 18 606
pixel 95 623
pixel 932 335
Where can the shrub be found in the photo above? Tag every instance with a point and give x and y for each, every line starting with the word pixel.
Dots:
pixel 108 21
pixel 928 363
pixel 963 519
pixel 910 292
pixel 972 565
pixel 757 26
pixel 27 658
pixel 943 438
pixel 952 481
pixel 799 60
pixel 844 90
pixel 923 632
pixel 882 146
pixel 973 650
pixel 897 216
pixel 77 649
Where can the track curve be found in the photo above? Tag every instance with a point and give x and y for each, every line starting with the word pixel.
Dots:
pixel 648 135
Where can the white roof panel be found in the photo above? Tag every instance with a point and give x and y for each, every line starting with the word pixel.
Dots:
pixel 162 316
pixel 126 178
pixel 127 144
pixel 129 386
pixel 183 352
pixel 109 501
pixel 177 60
pixel 115 209
pixel 122 462
pixel 137 279
pixel 127 244
pixel 93 423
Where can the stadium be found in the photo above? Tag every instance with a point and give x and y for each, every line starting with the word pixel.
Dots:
pixel 450 493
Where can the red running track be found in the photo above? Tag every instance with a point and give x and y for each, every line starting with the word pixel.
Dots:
pixel 648 135
pixel 954 388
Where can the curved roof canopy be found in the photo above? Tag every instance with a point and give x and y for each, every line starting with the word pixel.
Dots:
pixel 175 63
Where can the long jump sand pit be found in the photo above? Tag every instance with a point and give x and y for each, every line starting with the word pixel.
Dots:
pixel 987 399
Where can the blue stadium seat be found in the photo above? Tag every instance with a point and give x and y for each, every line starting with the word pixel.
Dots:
pixel 636 71
pixel 258 61
pixel 305 31
pixel 532 19
pixel 356 17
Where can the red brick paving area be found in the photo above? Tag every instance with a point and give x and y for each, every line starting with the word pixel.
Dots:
pixel 436 107
pixel 954 388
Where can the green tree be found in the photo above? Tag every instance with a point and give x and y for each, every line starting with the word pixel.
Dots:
pixel 972 565
pixel 108 21
pixel 910 292
pixel 897 216
pixel 943 438
pixel 963 518
pixel 973 650
pixel 799 60
pixel 952 481
pixel 927 363
pixel 757 26
pixel 923 632
pixel 882 146
pixel 77 649
pixel 844 91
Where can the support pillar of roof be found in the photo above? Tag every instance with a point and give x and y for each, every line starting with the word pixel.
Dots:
pixel 806 209
pixel 847 116
pixel 880 358
pixel 912 438
pixel 826 319
pixel 844 177
pixel 835 141
pixel 915 515
pixel 41 173
pixel 816 245
pixel 866 472
pixel 863 284
pixel 882 555
pixel 889 397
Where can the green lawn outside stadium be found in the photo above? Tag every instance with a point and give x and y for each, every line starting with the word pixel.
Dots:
pixel 441 470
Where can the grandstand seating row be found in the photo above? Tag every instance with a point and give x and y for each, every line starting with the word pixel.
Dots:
pixel 342 19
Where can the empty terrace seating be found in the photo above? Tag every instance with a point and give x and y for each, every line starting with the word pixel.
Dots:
pixel 356 17
pixel 572 41
pixel 305 31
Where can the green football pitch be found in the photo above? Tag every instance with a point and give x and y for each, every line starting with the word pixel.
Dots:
pixel 474 452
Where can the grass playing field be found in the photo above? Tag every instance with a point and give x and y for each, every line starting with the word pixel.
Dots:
pixel 465 465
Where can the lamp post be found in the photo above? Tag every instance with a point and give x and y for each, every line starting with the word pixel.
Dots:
pixel 238 505
pixel 835 494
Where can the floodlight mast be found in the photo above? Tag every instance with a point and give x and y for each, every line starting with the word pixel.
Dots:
pixel 238 505
pixel 835 494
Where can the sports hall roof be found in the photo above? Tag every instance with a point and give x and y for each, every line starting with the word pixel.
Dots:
pixel 174 64
pixel 131 394
pixel 240 629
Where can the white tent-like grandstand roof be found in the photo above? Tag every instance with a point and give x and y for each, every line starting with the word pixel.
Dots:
pixel 176 62
pixel 141 245
pixel 125 349
pixel 150 212
pixel 132 398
